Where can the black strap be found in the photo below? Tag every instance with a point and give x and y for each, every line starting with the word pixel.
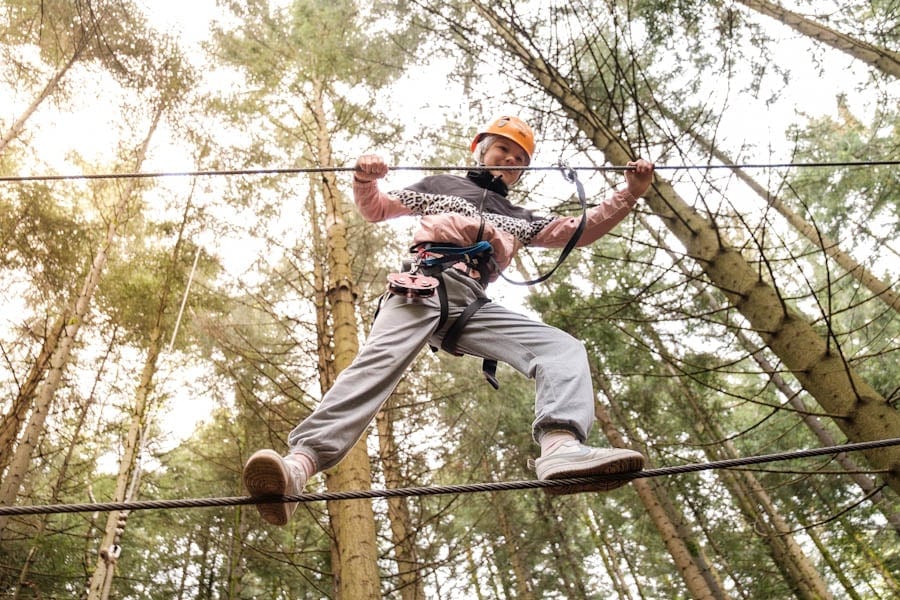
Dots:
pixel 570 175
pixel 488 366
pixel 443 302
pixel 489 370
pixel 442 298
pixel 481 212
pixel 451 339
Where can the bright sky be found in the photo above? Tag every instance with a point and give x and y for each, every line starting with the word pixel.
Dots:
pixel 187 19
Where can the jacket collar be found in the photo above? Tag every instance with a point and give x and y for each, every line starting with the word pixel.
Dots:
pixel 484 179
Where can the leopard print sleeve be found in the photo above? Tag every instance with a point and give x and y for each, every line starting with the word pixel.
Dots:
pixel 421 203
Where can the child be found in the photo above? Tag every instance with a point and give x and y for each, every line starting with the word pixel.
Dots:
pixel 442 302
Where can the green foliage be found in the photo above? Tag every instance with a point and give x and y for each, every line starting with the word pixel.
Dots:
pixel 849 204
pixel 109 32
pixel 146 277
pixel 681 387
pixel 216 553
pixel 286 52
pixel 43 237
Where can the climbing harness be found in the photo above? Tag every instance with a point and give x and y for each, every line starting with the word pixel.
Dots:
pixel 412 285
pixel 416 279
pixel 423 276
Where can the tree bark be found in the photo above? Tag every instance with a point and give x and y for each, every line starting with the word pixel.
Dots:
pixel 791 396
pixel 610 560
pixel 701 582
pixel 128 478
pixel 15 475
pixel 64 468
pixel 15 418
pixel 353 522
pixel 515 566
pixel 474 580
pixel 832 563
pixel 570 569
pixel 403 532
pixel 19 125
pixel 751 497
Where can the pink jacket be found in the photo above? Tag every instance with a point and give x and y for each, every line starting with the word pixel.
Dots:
pixel 453 209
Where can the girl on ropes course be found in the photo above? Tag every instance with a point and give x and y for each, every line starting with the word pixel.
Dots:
pixel 469 231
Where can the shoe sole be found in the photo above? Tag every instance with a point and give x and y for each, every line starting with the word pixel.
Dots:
pixel 265 475
pixel 627 462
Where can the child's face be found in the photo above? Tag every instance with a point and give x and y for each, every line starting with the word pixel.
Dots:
pixel 506 153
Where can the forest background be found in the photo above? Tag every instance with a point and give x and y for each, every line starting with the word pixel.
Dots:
pixel 158 330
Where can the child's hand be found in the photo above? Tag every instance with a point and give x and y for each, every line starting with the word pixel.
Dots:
pixel 370 167
pixel 639 177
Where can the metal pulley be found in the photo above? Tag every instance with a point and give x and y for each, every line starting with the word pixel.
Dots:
pixel 412 285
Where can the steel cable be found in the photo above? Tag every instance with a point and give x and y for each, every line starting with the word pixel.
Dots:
pixel 301 170
pixel 440 490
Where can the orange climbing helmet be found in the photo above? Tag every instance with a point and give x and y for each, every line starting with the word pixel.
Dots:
pixel 512 128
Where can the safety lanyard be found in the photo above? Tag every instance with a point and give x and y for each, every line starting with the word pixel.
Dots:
pixel 572 177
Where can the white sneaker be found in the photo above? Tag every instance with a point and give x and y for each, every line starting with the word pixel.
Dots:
pixel 268 474
pixel 574 459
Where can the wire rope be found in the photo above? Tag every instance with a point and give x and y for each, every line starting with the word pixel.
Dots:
pixel 441 490
pixel 302 170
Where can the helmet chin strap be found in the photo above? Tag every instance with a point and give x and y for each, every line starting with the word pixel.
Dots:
pixel 484 167
pixel 517 179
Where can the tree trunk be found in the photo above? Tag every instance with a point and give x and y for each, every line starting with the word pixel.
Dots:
pixel 15 418
pixel 832 563
pixel 621 549
pixel 858 271
pixel 15 475
pixel 799 573
pixel 16 128
pixel 21 458
pixel 128 479
pixel 713 541
pixel 521 580
pixel 324 334
pixel 236 556
pixel 792 397
pixel 37 537
pixel 886 61
pixel 857 409
pixel 403 533
pixel 12 482
pixel 754 502
pixel 353 522
pixel 701 582
pixel 570 570
pixel 474 580
pixel 610 559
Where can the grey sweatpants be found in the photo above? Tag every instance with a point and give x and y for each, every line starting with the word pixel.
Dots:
pixel 557 362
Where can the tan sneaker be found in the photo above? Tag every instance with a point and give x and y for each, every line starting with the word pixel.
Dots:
pixel 268 474
pixel 573 459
